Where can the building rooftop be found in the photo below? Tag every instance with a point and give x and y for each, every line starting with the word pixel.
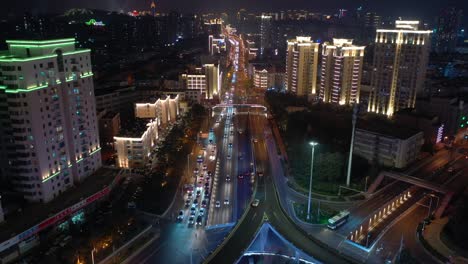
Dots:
pixel 33 214
pixel 133 127
pixel 110 115
pixel 386 127
pixel 112 89
pixel 415 113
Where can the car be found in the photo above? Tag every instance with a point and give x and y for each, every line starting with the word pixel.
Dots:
pixel 228 178
pixel 255 202
pixel 204 203
pixel 204 167
pixel 199 220
pixel 187 203
pixel 196 171
pixel 201 212
pixel 207 195
pixel 260 174
pixel 232 132
pixel 198 193
pixel 193 212
pixel 229 157
pixel 207 184
pixel 180 217
pixel 191 220
pixel 226 201
pixel 193 209
pixel 230 145
pixel 450 169
pixel 209 173
pixel 190 195
pixel 255 140
pixel 217 204
pixel 225 135
pixel 241 176
pixel 195 202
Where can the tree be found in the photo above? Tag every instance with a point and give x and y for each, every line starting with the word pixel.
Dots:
pixel 456 227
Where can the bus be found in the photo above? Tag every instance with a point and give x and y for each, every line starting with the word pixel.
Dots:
pixel 338 220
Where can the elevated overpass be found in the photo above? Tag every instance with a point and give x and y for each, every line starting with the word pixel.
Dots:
pixel 416 182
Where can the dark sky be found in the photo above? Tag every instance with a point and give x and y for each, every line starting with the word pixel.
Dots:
pixel 407 8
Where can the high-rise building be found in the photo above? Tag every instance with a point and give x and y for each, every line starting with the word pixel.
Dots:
pixel 372 20
pixel 447 29
pixel 212 80
pixel 206 80
pixel 48 116
pixel 341 70
pixel 399 67
pixel 265 33
pixel 301 66
pixel 153 8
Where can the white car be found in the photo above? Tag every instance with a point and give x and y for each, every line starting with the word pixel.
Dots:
pixel 226 201
pixel 217 204
pixel 255 202
pixel 229 157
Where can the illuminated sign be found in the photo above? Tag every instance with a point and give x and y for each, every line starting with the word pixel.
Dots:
pixel 93 22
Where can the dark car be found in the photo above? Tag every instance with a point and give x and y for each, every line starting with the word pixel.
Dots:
pixel 191 222
pixel 199 220
pixel 180 217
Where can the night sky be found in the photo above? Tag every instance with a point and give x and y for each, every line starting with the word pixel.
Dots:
pixel 424 9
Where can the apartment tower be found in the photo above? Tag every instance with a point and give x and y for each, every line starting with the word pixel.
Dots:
pixel 399 67
pixel 48 117
pixel 341 70
pixel 301 66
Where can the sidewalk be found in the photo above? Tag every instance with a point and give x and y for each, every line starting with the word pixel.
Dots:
pixel 432 235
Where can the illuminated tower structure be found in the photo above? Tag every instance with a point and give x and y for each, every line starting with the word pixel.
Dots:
pixel 399 67
pixel 153 8
pixel 341 71
pixel 301 66
pixel 48 116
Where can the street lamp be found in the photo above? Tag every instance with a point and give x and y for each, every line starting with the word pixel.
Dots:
pixel 313 144
pixel 92 255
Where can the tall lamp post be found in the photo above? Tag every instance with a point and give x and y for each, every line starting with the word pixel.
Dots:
pixel 350 159
pixel 313 144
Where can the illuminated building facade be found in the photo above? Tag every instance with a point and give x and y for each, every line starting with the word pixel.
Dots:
pixel 341 72
pixel 216 45
pixel 206 80
pixel 49 124
pixel 399 67
pixel 139 135
pixel 301 66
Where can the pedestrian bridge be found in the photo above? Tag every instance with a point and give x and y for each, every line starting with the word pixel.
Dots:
pixel 269 243
pixel 447 194
pixel 239 106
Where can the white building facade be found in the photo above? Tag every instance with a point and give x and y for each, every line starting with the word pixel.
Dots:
pixel 48 116
pixel 387 150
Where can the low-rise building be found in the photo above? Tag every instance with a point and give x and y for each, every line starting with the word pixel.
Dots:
pixel 428 123
pixel 135 141
pixel 387 143
pixel 165 110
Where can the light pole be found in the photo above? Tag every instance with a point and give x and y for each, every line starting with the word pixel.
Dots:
pixel 313 144
pixel 350 159
pixel 92 255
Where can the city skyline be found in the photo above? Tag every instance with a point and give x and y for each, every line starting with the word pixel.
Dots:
pixel 408 10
